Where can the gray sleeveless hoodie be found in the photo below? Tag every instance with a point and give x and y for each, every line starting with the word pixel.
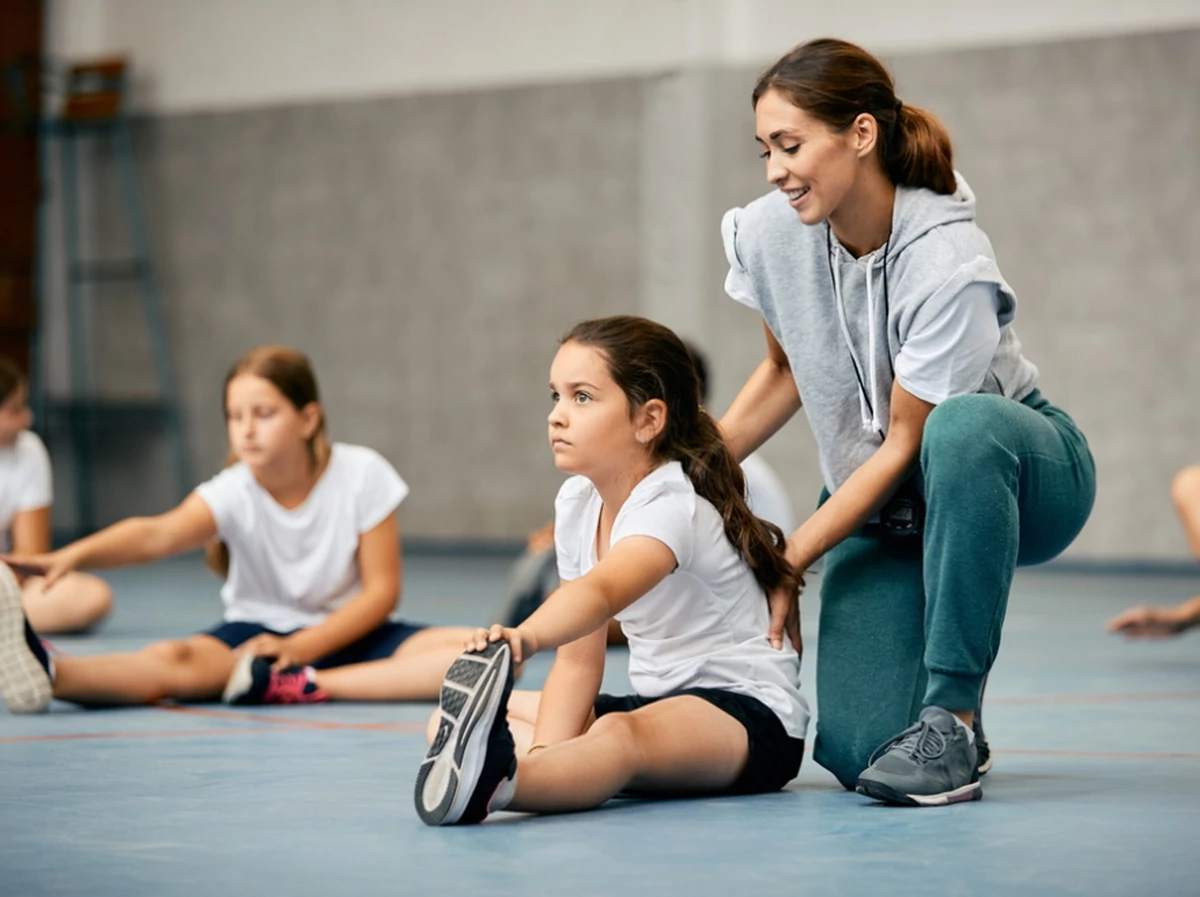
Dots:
pixel 843 321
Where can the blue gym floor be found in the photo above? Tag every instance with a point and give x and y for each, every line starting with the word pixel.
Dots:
pixel 1095 789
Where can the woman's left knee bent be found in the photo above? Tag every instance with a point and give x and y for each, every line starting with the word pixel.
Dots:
pixel 960 431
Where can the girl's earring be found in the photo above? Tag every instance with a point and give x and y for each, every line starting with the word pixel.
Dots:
pixel 641 440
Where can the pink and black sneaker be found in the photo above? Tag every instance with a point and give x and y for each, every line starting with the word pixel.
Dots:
pixel 26 672
pixel 254 682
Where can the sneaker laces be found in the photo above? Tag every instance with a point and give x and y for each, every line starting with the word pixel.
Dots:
pixel 920 741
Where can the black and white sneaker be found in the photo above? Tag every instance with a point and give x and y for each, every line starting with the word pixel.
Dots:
pixel 26 682
pixel 473 754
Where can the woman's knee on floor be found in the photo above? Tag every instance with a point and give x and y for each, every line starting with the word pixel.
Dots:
pixel 845 751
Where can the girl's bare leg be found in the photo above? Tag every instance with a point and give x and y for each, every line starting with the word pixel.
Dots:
pixel 414 673
pixel 681 744
pixel 522 717
pixel 192 669
pixel 75 604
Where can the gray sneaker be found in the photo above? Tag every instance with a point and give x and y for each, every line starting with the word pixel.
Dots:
pixel 930 764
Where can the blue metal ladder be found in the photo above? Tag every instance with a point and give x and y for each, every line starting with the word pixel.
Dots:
pixel 93 108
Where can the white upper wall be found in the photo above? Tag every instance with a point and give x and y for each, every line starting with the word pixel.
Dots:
pixel 226 54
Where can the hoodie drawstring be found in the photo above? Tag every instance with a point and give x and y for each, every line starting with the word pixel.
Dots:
pixel 868 404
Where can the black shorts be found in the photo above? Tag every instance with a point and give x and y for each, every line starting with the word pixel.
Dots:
pixel 375 645
pixel 774 757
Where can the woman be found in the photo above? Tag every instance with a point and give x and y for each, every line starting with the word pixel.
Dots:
pixel 945 468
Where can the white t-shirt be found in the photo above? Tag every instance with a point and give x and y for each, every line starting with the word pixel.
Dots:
pixel 26 483
pixel 291 568
pixel 705 625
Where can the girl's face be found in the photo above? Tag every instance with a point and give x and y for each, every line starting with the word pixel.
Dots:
pixel 15 415
pixel 814 165
pixel 264 427
pixel 591 431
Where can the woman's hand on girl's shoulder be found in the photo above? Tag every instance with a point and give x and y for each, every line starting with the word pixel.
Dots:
pixel 522 643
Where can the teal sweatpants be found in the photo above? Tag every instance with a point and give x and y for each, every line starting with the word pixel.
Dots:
pixel 904 627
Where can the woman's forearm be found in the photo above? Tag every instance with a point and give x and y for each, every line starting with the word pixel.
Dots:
pixel 768 400
pixel 862 494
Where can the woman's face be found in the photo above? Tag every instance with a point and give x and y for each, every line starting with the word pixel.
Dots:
pixel 814 165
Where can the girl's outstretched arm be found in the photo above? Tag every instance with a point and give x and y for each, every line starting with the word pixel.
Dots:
pixel 138 540
pixel 632 567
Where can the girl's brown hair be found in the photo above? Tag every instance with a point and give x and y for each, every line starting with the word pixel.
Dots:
pixel 11 377
pixel 291 373
pixel 648 361
pixel 836 81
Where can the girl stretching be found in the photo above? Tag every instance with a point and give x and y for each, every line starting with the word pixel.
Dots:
pixel 305 534
pixel 654 531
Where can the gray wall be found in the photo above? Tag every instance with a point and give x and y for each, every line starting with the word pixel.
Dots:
pixel 426 251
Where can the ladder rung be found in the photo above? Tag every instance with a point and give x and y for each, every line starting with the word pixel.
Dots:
pixel 132 269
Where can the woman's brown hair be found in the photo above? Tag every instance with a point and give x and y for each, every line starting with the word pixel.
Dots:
pixel 291 373
pixel 836 81
pixel 648 361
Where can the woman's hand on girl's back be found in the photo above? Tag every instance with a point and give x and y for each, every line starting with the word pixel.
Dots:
pixel 784 602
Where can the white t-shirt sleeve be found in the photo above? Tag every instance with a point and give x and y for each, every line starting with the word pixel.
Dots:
pixel 737 281
pixel 380 491
pixel 665 515
pixel 949 352
pixel 227 499
pixel 36 489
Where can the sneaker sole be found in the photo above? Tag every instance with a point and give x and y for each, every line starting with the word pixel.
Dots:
pixel 468 702
pixel 240 680
pixel 985 766
pixel 24 683
pixel 887 794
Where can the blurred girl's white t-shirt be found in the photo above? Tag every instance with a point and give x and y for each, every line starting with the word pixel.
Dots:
pixel 290 568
